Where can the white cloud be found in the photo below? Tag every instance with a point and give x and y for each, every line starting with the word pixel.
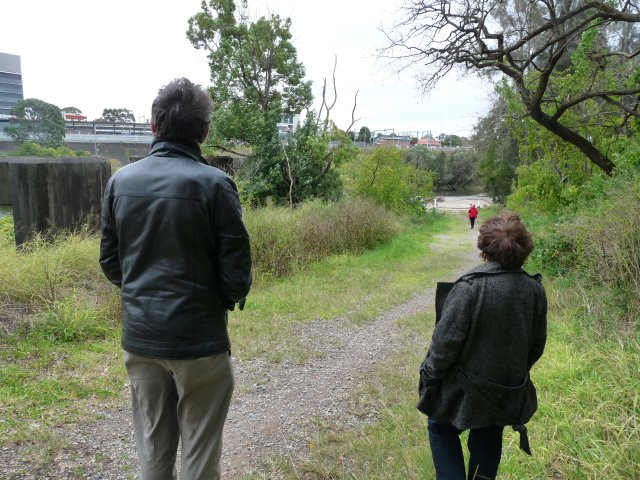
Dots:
pixel 96 55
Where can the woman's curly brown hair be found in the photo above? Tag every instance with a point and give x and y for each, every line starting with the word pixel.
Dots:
pixel 504 239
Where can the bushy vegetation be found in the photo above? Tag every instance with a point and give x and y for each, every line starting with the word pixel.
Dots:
pixel 29 149
pixel 284 240
pixel 591 236
pixel 384 176
pixel 61 283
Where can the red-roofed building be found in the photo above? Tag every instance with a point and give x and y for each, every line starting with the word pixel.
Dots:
pixel 72 117
pixel 429 142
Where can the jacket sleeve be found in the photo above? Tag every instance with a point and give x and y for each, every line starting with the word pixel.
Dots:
pixel 449 334
pixel 540 335
pixel 234 252
pixel 109 258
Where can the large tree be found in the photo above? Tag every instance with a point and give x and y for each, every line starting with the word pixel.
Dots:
pixel 573 63
pixel 37 121
pixel 72 110
pixel 497 147
pixel 255 72
pixel 118 115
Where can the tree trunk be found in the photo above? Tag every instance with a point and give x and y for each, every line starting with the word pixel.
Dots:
pixel 565 133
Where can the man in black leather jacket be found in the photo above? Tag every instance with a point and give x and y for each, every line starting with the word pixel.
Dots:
pixel 173 240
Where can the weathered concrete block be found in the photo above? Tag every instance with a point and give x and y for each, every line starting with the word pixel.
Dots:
pixel 52 194
pixel 5 192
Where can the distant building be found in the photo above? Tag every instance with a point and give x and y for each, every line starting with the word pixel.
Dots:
pixel 288 124
pixel 10 83
pixel 429 142
pixel 73 117
pixel 393 141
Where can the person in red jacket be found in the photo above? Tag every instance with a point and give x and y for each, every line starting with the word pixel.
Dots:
pixel 473 214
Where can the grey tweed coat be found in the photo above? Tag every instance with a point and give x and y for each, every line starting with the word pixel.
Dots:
pixel 492 330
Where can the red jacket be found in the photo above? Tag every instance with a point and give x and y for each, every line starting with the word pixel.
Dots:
pixel 473 212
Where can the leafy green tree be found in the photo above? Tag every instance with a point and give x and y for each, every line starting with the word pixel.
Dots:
pixel 423 158
pixel 364 135
pixel 498 166
pixel 118 115
pixel 497 147
pixel 461 169
pixel 38 122
pixel 255 72
pixel 449 140
pixel 256 77
pixel 72 110
pixel 383 176
pixel 303 167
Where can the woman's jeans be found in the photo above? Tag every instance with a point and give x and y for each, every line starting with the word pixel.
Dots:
pixel 485 450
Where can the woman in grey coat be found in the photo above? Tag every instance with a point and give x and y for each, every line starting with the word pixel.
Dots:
pixel 475 377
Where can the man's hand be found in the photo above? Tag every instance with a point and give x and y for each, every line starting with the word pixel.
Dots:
pixel 241 303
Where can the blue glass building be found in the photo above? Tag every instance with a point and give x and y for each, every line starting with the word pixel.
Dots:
pixel 10 82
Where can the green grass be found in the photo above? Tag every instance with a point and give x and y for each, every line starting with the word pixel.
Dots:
pixel 587 425
pixel 66 355
pixel 67 358
pixel 356 286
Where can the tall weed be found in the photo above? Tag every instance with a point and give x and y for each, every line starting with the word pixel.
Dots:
pixel 597 246
pixel 608 240
pixel 74 319
pixel 285 240
pixel 43 270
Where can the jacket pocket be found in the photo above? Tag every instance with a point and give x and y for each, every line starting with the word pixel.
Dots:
pixel 510 405
pixel 428 395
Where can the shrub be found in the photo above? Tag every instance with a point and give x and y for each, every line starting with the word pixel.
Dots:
pixel 539 190
pixel 383 176
pixel 73 319
pixel 283 240
pixel 555 249
pixel 598 244
pixel 346 227
pixel 6 231
pixel 608 240
pixel 43 270
pixel 35 150
pixel 273 239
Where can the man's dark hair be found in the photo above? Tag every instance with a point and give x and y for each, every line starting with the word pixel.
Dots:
pixel 181 111
pixel 504 239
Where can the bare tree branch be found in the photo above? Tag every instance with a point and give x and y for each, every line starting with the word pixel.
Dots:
pixel 529 41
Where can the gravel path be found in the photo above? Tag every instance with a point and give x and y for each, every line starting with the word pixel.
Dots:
pixel 274 410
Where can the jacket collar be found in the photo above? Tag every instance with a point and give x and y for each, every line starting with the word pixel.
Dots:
pixel 181 149
pixel 492 267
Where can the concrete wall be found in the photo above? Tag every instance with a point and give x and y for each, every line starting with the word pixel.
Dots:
pixel 5 185
pixel 50 194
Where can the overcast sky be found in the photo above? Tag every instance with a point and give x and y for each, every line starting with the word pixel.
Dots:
pixel 117 54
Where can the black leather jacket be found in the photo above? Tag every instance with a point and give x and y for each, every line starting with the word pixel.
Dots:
pixel 173 239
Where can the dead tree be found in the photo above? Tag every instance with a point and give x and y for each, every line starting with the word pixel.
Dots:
pixel 527 41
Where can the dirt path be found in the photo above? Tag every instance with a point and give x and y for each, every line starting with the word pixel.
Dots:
pixel 275 407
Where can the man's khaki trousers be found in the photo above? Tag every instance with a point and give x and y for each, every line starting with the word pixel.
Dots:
pixel 180 399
